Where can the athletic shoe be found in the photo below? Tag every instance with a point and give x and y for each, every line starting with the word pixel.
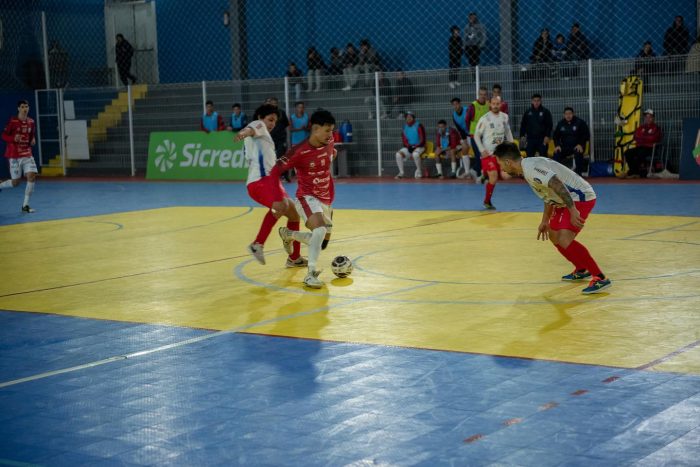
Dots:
pixel 398 177
pixel 489 206
pixel 576 276
pixel 453 175
pixel 300 262
pixel 312 280
pixel 256 250
pixel 27 209
pixel 286 239
pixel 597 285
pixel 472 174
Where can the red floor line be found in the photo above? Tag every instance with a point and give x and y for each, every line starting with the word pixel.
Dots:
pixel 667 357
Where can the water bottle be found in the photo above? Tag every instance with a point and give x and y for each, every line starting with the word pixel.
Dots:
pixel 346 131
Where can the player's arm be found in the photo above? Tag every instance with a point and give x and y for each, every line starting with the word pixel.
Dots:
pixel 509 133
pixel 8 134
pixel 558 187
pixel 543 229
pixel 478 134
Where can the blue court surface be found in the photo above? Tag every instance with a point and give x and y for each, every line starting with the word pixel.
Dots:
pixel 83 388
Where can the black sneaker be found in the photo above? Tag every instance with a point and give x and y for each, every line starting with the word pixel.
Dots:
pixel 489 206
pixel 27 209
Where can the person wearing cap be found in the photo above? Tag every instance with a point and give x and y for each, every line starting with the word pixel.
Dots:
pixel 646 137
pixel 413 137
pixel 570 138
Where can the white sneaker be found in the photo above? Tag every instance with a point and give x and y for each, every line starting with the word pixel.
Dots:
pixel 256 250
pixel 311 280
pixel 473 175
pixel 286 239
pixel 398 176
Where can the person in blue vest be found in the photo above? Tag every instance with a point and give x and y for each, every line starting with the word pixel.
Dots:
pixel 239 120
pixel 299 128
pixel 211 120
pixel 459 117
pixel 413 137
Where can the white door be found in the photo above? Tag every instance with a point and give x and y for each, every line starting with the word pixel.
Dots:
pixel 137 23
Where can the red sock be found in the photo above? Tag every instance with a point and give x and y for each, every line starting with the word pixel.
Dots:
pixel 295 245
pixel 580 255
pixel 489 192
pixel 268 223
pixel 566 255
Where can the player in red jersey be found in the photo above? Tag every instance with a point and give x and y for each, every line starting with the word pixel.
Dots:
pixel 20 136
pixel 312 161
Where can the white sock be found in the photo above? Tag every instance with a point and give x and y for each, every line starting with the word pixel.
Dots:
pixel 416 159
pixel 28 192
pixel 317 236
pixel 438 166
pixel 466 163
pixel 301 237
pixel 399 162
pixel 6 184
pixel 453 164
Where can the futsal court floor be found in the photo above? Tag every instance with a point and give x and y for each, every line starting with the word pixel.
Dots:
pixel 136 330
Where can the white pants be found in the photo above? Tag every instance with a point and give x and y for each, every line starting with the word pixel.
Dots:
pixel 310 83
pixel 310 205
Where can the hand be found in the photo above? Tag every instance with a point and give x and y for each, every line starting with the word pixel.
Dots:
pixel 33 142
pixel 411 148
pixel 543 231
pixel 578 148
pixel 557 149
pixel 18 138
pixel 576 219
pixel 545 141
pixel 486 153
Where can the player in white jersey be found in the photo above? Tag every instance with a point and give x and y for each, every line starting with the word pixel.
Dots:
pixel 259 151
pixel 568 200
pixel 492 130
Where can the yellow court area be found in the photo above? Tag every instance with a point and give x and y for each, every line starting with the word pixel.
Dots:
pixel 459 281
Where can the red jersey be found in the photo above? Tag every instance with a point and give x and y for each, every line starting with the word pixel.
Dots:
pixel 647 135
pixel 26 131
pixel 313 167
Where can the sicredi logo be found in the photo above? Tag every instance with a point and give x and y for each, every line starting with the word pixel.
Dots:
pixel 194 156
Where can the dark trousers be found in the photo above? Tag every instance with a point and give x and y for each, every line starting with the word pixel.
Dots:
pixel 637 160
pixel 125 73
pixel 535 145
pixel 473 53
pixel 568 155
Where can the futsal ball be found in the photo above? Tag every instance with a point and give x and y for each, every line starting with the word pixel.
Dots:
pixel 341 266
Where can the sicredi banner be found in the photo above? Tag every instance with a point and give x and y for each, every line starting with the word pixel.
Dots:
pixel 195 155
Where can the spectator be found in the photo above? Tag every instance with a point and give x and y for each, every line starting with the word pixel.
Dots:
pixel 459 117
pixel 211 120
pixel 693 62
pixel 446 143
pixel 536 128
pixel 239 120
pixel 542 49
pixel 578 44
pixel 570 138
pixel 295 78
pixel 351 62
pixel 497 91
pixel 299 124
pixel 385 98
pixel 645 64
pixel 474 39
pixel 279 132
pixel 403 93
pixel 455 50
pixel 677 38
pixel 315 65
pixel 560 51
pixel 413 137
pixel 123 53
pixel 335 66
pixel 646 137
pixel 58 65
pixel 368 61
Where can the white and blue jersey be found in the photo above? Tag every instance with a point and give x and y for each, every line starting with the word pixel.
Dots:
pixel 538 171
pixel 259 150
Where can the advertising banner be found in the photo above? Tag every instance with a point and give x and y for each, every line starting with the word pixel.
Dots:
pixel 690 150
pixel 195 155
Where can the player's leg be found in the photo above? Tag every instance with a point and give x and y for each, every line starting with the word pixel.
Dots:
pixel 416 159
pixel 438 162
pixel 30 170
pixel 317 225
pixel 453 162
pixel 400 155
pixel 293 248
pixel 490 187
pixel 15 174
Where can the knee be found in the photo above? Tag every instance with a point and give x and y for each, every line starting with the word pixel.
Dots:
pixel 15 181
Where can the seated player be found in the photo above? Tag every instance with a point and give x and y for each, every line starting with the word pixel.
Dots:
pixel 413 137
pixel 265 189
pixel 446 143
pixel 568 200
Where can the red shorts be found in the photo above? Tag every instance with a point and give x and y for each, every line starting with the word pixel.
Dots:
pixel 561 218
pixel 490 164
pixel 267 190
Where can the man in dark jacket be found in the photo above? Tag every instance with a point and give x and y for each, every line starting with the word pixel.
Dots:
pixel 279 132
pixel 124 51
pixel 677 38
pixel 578 44
pixel 536 128
pixel 570 138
